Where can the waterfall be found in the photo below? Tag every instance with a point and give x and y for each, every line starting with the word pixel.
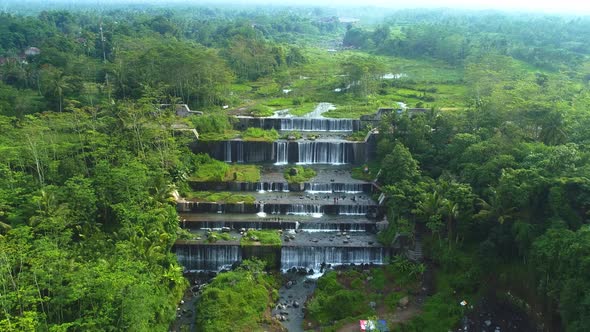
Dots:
pixel 322 188
pixel 261 212
pixel 240 151
pixel 335 153
pixel 315 211
pixel 316 124
pixel 313 257
pixel 227 151
pixel 381 198
pixel 353 210
pixel 281 150
pixel 207 257
pixel 349 188
pixel 279 186
pixel 313 227
pixel 264 187
pixel 318 188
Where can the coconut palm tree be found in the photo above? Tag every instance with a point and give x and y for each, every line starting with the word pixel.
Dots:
pixel 59 83
pixel 494 209
pixel 451 211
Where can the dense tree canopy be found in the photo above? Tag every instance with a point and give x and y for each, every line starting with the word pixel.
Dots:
pixel 89 158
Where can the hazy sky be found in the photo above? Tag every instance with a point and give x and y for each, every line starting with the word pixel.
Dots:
pixel 570 6
pixel 580 7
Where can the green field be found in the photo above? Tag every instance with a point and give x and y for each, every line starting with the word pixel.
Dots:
pixel 424 83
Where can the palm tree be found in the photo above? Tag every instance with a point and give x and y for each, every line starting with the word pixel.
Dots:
pixel 430 204
pixel 494 210
pixel 451 210
pixel 56 83
pixel 59 83
pixel 431 209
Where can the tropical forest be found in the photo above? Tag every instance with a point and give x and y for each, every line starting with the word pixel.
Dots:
pixel 257 166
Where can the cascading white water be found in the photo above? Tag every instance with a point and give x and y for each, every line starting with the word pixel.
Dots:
pixel 228 151
pixel 281 151
pixel 381 198
pixel 322 188
pixel 312 227
pixel 318 188
pixel 261 212
pixel 204 257
pixel 316 124
pixel 353 210
pixel 240 151
pixel 335 153
pixel 315 211
pixel 313 257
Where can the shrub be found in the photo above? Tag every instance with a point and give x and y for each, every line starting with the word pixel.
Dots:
pixel 266 237
pixel 236 300
pixel 258 134
pixel 261 110
pixel 212 123
pixel 303 174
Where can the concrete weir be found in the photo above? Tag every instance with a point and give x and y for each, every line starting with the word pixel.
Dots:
pixel 331 219
pixel 305 250
pixel 282 152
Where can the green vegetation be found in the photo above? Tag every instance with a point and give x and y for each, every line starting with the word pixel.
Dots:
pixel 257 134
pixel 243 173
pixel 292 134
pixel 302 109
pixel 365 172
pixel 299 174
pixel 216 236
pixel 263 237
pixel 238 300
pixel 89 225
pixel 220 197
pixel 212 123
pixel 358 136
pixel 344 296
pixel 495 175
pixel 496 194
pixel 214 127
pixel 458 280
pixel 207 169
pixel 261 111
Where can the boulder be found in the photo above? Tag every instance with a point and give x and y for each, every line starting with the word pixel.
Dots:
pixel 404 301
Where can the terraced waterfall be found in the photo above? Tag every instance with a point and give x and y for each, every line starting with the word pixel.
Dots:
pixel 330 219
